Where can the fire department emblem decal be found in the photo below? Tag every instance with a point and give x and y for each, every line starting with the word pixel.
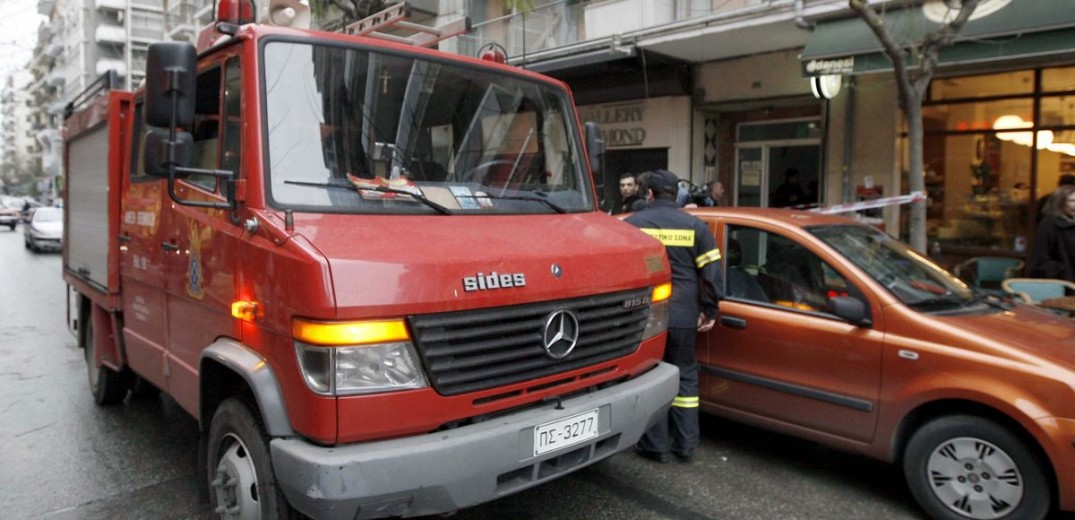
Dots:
pixel 195 268
pixel 561 333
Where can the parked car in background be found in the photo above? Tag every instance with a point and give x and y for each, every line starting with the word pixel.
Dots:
pixel 10 209
pixel 45 230
pixel 835 332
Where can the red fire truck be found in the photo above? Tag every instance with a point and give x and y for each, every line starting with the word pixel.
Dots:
pixel 375 273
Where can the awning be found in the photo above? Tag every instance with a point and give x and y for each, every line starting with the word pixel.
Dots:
pixel 998 30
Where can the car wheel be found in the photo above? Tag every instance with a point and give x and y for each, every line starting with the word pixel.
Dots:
pixel 11 226
pixel 26 242
pixel 107 386
pixel 241 481
pixel 964 467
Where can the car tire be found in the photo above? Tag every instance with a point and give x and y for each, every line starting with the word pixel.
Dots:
pixel 107 386
pixel 969 468
pixel 239 468
pixel 11 226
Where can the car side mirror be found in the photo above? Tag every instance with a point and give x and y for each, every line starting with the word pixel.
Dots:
pixel 850 309
pixel 158 151
pixel 595 148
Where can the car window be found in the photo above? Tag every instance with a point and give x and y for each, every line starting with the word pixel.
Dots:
pixel 771 268
pixel 48 215
pixel 909 276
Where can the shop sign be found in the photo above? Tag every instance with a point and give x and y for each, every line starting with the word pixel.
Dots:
pixel 622 126
pixel 830 66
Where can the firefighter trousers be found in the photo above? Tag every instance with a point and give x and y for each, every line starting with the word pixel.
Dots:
pixel 678 430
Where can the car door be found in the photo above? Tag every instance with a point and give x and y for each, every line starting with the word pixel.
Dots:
pixel 141 265
pixel 776 355
pixel 201 243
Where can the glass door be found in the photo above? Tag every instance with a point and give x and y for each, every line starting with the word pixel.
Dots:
pixel 778 164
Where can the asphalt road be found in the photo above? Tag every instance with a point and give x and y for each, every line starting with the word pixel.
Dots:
pixel 62 457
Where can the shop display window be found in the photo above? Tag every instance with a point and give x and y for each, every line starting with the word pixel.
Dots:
pixel 994 145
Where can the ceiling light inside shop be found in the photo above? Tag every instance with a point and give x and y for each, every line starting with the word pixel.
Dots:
pixel 1026 138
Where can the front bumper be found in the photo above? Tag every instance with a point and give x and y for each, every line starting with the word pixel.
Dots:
pixel 45 242
pixel 449 470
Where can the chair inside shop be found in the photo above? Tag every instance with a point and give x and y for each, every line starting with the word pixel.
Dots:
pixel 1034 290
pixel 987 273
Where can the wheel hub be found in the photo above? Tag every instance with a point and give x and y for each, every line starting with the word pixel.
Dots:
pixel 975 478
pixel 235 483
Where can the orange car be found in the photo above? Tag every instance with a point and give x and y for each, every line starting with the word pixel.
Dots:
pixel 835 332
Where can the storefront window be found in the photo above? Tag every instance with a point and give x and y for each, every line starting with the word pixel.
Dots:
pixel 988 85
pixel 976 116
pixel 1058 80
pixel 1058 110
pixel 987 162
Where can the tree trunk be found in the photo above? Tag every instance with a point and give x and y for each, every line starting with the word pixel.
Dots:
pixel 915 174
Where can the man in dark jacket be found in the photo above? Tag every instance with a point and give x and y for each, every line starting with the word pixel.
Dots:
pixel 696 291
pixel 629 198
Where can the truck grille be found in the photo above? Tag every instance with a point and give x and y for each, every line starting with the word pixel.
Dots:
pixel 473 350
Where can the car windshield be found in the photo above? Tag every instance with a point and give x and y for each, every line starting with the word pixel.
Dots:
pixel 909 276
pixel 349 130
pixel 48 215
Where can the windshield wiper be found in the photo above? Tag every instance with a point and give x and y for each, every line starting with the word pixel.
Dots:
pixel 421 198
pixel 556 207
pixel 935 304
pixel 991 300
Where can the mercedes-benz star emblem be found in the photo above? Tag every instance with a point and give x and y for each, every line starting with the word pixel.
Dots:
pixel 561 333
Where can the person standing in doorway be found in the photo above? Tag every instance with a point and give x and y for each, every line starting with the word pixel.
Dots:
pixel 1054 245
pixel 791 193
pixel 629 199
pixel 696 292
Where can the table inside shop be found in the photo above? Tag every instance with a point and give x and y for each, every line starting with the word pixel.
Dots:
pixel 1064 304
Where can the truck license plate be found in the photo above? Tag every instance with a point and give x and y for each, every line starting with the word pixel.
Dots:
pixel 565 432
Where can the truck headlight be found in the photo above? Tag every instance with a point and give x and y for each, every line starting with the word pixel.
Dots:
pixel 348 358
pixel 657 321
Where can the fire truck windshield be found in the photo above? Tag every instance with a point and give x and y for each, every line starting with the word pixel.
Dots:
pixel 464 138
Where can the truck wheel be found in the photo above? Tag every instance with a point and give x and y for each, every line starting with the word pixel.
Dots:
pixel 241 482
pixel 963 467
pixel 107 386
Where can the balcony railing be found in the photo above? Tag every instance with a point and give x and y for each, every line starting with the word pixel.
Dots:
pixel 566 22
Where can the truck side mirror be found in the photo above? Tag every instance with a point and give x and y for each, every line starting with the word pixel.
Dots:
pixel 170 71
pixel 850 309
pixel 158 152
pixel 595 148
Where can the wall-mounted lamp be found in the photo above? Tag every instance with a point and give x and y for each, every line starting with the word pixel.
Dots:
pixel 827 86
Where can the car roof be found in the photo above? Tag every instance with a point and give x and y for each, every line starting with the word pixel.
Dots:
pixel 779 216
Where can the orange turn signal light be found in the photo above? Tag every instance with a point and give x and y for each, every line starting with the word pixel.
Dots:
pixel 349 332
pixel 662 292
pixel 244 310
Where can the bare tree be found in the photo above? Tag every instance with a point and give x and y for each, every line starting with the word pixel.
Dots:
pixel 912 80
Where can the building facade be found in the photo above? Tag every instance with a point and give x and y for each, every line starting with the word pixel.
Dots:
pixel 16 132
pixel 82 41
pixel 726 87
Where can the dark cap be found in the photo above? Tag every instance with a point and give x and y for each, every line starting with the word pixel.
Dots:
pixel 662 180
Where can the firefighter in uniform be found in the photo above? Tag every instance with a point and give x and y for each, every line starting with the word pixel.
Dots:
pixel 696 291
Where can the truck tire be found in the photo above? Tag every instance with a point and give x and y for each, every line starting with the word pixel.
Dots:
pixel 107 386
pixel 241 481
pixel 969 468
